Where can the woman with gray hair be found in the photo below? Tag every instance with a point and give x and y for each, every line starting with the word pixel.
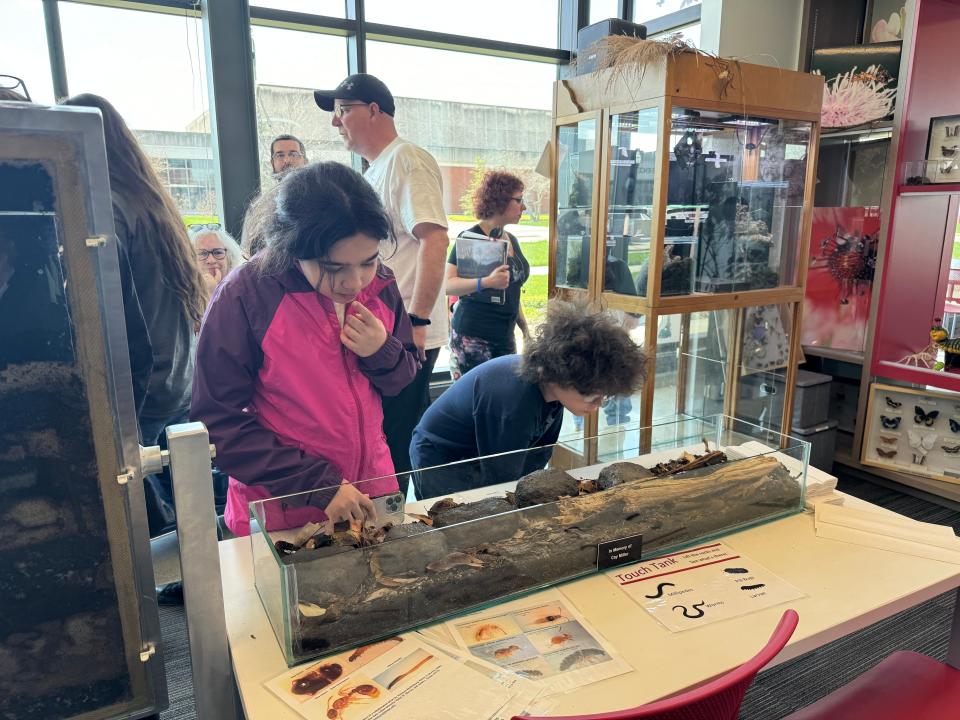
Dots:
pixel 217 252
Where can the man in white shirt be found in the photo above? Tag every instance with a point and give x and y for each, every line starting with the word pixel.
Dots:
pixel 407 178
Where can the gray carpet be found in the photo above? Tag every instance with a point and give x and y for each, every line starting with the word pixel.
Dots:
pixel 775 693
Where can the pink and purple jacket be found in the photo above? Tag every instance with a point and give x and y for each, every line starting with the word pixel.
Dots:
pixel 288 407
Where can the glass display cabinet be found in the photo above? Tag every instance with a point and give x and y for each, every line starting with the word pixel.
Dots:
pixel 682 200
pixel 502 525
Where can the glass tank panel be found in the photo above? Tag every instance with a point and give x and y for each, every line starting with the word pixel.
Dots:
pixel 576 149
pixel 700 355
pixel 734 202
pixel 508 526
pixel 633 163
pixel 621 410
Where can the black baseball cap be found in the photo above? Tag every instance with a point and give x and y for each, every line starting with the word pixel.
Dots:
pixel 360 86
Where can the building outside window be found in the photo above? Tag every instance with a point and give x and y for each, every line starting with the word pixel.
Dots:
pixel 152 70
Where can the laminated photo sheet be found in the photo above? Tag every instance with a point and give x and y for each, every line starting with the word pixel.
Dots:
pixel 701 585
pixel 397 679
pixel 525 692
pixel 542 638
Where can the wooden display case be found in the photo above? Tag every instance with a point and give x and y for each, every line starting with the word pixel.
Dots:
pixel 682 198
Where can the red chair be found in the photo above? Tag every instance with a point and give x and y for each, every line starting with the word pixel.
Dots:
pixel 904 685
pixel 716 700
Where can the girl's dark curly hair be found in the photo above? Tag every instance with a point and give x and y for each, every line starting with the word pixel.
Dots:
pixel 494 193
pixel 315 207
pixel 586 351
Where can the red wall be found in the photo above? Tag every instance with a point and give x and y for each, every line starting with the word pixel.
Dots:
pixel 935 78
pixel 910 292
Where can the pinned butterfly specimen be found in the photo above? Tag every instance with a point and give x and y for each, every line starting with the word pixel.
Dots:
pixel 889 440
pixel 892 423
pixel 952 450
pixel 886 453
pixel 954 425
pixel 924 418
pixel 921 444
pixel 891 403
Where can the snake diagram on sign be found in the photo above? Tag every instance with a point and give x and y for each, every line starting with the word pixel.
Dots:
pixel 701 585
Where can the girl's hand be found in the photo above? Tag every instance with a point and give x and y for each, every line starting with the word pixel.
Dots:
pixel 362 332
pixel 499 279
pixel 352 505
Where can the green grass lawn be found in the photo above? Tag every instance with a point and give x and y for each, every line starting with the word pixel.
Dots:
pixel 535 253
pixel 534 299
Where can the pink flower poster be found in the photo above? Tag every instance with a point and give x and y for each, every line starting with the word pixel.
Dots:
pixel 843 254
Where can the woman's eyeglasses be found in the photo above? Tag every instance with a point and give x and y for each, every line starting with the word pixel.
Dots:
pixel 218 253
pixel 204 226
pixel 9 82
pixel 518 200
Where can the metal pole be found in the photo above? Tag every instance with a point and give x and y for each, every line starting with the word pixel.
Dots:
pixel 357 54
pixel 58 67
pixel 213 684
pixel 233 114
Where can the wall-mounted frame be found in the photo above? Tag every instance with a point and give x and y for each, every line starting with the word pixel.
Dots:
pixel 913 431
pixel 943 148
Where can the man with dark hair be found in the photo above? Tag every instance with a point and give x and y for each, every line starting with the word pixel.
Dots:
pixel 407 178
pixel 286 153
pixel 516 402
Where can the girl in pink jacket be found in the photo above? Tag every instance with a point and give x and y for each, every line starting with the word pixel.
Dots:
pixel 296 349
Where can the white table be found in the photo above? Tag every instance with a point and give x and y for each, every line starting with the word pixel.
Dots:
pixel 848 587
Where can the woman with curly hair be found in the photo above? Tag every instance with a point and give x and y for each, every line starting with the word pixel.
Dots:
pixel 489 307
pixel 516 402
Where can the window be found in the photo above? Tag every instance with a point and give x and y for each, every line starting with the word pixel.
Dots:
pixel 690 33
pixel 474 113
pixel 23 47
pixel 602 9
pixel 288 66
pixel 162 96
pixel 646 10
pixel 530 22
pixel 331 8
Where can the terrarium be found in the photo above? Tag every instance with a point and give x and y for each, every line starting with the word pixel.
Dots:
pixel 510 524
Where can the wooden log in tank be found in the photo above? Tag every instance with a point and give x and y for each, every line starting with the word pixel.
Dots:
pixel 551 543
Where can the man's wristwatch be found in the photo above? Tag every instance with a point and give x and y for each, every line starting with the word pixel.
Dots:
pixel 418 321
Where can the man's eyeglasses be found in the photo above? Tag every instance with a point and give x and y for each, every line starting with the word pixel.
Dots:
pixel 218 253
pixel 9 82
pixel 340 110
pixel 293 155
pixel 204 226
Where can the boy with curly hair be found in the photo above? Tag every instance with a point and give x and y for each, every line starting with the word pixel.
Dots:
pixel 516 402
